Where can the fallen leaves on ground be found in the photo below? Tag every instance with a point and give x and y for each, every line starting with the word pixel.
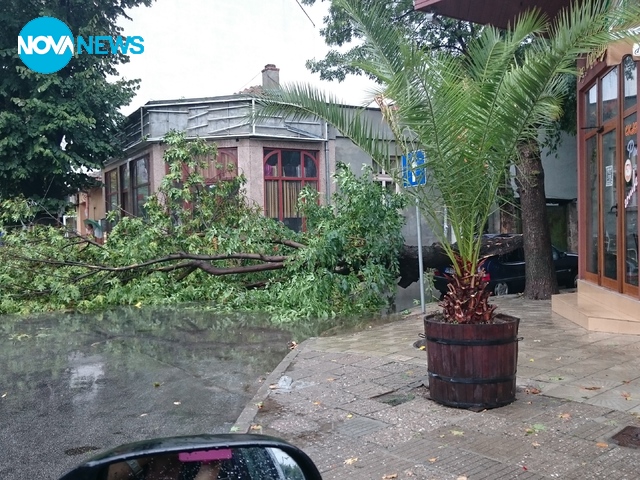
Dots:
pixel 255 427
pixel 591 388
pixel 317 403
pixel 565 416
pixel 457 433
pixel 535 444
pixel 532 390
pixel 349 416
pixel 351 461
pixel 535 429
pixel 461 478
pixel 433 460
pixel 292 345
pixel 157 384
pixel 531 360
pixel 391 476
pixel 626 395
pixel 423 347
pixel 259 405
pixel 602 445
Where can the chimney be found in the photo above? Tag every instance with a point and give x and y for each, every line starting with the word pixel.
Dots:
pixel 270 77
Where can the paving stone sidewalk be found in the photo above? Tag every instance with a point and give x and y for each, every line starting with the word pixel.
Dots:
pixel 358 406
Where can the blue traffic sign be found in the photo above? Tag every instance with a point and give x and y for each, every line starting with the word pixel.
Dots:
pixel 414 172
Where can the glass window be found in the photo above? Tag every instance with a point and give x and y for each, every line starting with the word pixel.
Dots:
pixel 592 107
pixel 387 178
pixel 610 204
pixel 124 189
pixel 111 189
pixel 593 201
pixel 631 199
pixel 223 167
pixel 140 185
pixel 630 82
pixel 610 95
pixel 286 173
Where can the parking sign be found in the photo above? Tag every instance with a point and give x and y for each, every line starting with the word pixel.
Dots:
pixel 413 170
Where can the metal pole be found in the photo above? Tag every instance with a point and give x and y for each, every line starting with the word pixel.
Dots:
pixel 420 265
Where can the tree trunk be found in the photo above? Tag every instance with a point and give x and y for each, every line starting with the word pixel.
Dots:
pixel 508 214
pixel 540 276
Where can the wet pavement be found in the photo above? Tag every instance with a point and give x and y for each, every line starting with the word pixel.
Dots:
pixel 71 385
pixel 358 405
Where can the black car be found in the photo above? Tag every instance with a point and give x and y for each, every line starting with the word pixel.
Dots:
pixel 506 272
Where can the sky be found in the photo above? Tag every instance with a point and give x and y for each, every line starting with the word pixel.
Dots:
pixel 204 48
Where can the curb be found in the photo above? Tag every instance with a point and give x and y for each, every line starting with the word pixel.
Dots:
pixel 245 420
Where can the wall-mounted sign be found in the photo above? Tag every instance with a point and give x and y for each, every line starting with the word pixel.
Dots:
pixel 608 181
pixel 628 171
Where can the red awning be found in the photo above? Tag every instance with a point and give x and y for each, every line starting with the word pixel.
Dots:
pixel 494 12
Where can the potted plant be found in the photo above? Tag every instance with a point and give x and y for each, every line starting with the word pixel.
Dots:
pixel 470 115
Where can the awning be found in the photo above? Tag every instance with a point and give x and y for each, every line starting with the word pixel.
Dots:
pixel 495 12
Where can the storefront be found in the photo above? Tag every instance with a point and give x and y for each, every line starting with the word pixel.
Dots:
pixel 608 296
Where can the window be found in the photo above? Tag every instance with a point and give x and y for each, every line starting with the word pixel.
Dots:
pixel 111 190
pixel 125 179
pixel 286 173
pixel 127 187
pixel 223 167
pixel 139 184
pixel 387 178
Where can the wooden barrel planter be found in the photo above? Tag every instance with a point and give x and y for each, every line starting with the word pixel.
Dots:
pixel 472 365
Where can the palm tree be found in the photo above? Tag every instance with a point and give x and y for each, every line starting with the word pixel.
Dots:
pixel 468 114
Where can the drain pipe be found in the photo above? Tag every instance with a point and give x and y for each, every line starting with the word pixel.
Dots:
pixel 327 168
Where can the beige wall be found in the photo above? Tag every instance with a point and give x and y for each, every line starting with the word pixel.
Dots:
pixel 90 206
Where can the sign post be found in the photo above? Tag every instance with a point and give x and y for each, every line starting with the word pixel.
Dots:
pixel 415 175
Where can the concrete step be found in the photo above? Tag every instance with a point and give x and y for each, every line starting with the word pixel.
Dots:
pixel 593 316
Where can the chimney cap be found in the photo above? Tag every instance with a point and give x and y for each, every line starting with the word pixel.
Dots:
pixel 270 66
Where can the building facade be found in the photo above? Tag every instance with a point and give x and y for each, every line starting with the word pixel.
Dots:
pixel 608 296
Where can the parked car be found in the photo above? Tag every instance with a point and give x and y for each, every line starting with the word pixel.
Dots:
pixel 506 272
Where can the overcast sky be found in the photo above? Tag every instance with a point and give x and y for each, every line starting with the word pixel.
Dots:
pixel 200 48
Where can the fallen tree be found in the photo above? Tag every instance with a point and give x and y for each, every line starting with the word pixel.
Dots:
pixel 433 256
pixel 202 244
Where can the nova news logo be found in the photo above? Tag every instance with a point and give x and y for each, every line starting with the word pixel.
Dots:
pixel 46 45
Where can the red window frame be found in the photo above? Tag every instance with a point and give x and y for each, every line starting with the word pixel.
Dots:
pixel 284 171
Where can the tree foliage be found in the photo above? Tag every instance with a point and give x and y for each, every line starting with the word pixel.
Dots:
pixel 436 33
pixel 79 103
pixel 200 243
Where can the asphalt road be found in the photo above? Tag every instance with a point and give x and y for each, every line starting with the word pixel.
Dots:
pixel 73 385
